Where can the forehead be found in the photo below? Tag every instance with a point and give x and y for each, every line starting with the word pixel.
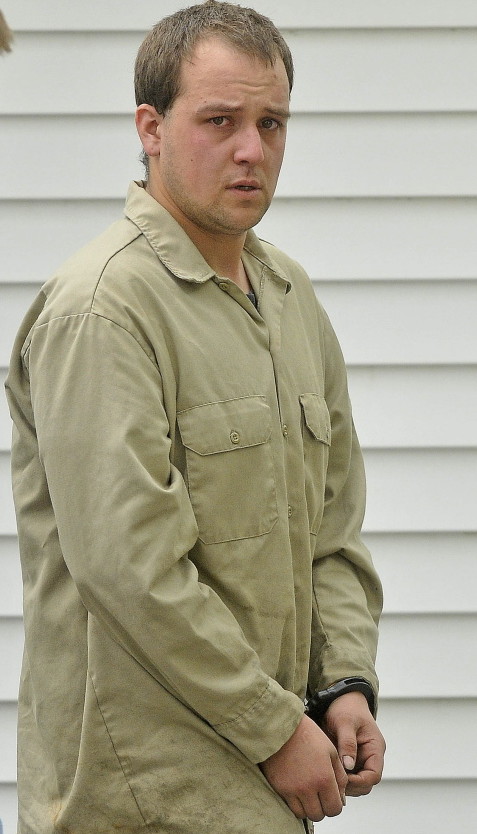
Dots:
pixel 216 67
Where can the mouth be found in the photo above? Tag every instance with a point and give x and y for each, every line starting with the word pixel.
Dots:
pixel 245 185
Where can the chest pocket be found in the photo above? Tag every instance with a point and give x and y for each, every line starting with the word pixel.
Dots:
pixel 316 443
pixel 230 468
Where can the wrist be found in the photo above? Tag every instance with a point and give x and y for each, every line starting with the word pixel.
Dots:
pixel 318 704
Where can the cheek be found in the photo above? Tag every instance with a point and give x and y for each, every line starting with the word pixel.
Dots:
pixel 276 159
pixel 201 148
pixel 194 158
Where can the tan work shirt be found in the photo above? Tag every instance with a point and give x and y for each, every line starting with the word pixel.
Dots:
pixel 189 493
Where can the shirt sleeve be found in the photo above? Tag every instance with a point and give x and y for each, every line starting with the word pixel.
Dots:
pixel 126 525
pixel 347 594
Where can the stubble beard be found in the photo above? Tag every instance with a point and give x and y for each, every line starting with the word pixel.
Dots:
pixel 214 218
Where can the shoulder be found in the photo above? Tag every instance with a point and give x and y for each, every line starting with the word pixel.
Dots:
pixel 104 281
pixel 72 287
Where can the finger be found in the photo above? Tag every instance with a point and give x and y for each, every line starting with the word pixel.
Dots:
pixel 372 765
pixel 347 746
pixel 361 784
pixel 341 777
pixel 312 806
pixel 296 806
pixel 332 791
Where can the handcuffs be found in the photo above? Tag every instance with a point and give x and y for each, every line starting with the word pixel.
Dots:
pixel 317 705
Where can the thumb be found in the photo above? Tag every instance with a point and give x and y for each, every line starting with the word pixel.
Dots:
pixel 347 747
pixel 349 763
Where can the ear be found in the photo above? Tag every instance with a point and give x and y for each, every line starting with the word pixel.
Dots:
pixel 148 125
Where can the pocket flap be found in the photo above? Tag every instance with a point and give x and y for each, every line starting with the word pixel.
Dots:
pixel 225 426
pixel 317 416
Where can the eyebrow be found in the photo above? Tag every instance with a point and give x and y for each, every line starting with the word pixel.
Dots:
pixel 221 107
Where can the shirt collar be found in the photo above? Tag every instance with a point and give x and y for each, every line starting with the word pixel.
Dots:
pixel 174 247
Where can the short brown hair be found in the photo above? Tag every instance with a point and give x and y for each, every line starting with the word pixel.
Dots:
pixel 6 35
pixel 160 56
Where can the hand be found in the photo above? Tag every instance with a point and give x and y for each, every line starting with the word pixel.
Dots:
pixel 308 774
pixel 350 725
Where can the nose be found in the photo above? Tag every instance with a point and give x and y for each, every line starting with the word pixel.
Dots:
pixel 249 147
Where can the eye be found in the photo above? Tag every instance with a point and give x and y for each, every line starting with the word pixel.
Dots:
pixel 270 124
pixel 218 120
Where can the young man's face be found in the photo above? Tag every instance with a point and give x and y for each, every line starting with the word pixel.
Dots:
pixel 222 141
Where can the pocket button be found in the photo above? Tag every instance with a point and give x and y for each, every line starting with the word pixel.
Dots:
pixel 234 437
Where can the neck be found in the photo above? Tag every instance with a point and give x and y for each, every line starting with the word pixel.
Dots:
pixel 223 252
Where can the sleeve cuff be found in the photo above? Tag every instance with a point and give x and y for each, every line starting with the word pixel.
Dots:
pixel 265 727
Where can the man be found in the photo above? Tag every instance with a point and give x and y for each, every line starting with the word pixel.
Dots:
pixel 189 489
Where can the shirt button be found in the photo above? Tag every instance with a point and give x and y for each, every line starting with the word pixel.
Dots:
pixel 284 430
pixel 224 286
pixel 290 511
pixel 235 437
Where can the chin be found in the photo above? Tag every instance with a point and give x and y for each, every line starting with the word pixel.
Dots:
pixel 249 219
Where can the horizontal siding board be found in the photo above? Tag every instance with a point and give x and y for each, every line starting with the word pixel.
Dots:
pixel 7 514
pixel 394 407
pixel 106 166
pixel 69 223
pixel 426 573
pixel 415 406
pixel 409 491
pixel 428 656
pixel 409 808
pixel 8 806
pixel 11 648
pixel 378 239
pixel 406 323
pixel 422 573
pixel 418 491
pixel 371 155
pixel 5 422
pixel 96 15
pixel 402 239
pixel 425 71
pixel 8 732
pixel 381 323
pixel 432 72
pixel 430 738
pixel 409 726
pixel 442 805
pixel 14 303
pixel 362 155
pixel 410 658
pixel 41 77
pixel 11 583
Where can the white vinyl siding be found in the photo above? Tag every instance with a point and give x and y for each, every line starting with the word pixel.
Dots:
pixel 100 15
pixel 378 200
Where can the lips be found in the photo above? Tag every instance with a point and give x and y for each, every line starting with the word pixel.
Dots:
pixel 246 185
